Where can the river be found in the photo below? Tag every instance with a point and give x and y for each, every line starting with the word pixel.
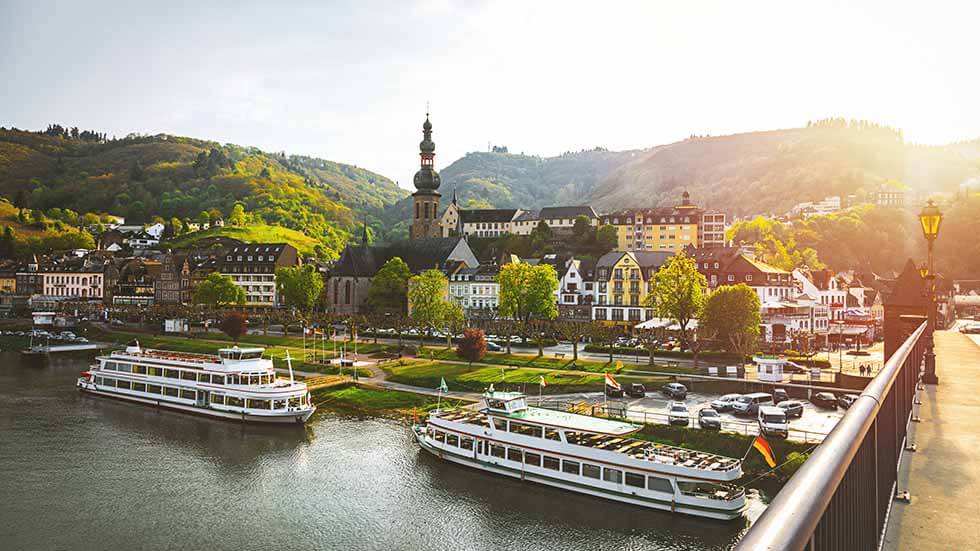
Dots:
pixel 79 472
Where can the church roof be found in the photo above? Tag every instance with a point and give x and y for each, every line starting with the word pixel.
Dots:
pixel 419 254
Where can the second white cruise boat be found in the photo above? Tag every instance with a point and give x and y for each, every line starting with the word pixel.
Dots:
pixel 238 384
pixel 583 454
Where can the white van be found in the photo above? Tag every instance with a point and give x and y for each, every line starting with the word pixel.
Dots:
pixel 749 404
pixel 772 422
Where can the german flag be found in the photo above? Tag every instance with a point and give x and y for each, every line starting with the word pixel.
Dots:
pixel 762 446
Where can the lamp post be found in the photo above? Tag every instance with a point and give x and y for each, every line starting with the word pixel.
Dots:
pixel 930 218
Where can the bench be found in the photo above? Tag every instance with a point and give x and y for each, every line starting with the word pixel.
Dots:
pixel 559 355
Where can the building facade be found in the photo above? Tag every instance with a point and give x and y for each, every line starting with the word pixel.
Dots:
pixel 623 279
pixel 253 268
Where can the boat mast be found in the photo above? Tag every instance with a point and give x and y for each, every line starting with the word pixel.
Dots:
pixel 289 364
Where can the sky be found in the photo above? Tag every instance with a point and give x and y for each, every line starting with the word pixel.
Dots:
pixel 350 81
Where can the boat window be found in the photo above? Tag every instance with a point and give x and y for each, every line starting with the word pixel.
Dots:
pixel 125 368
pixel 109 366
pixel 123 384
pixel 154 371
pixel 139 387
pixel 203 378
pixel 466 443
pixel 279 404
pixel 525 429
pixel 109 381
pixel 170 391
pixel 552 434
pixel 659 484
pixel 440 436
pixel 188 394
pixel 497 451
pixel 514 454
pixel 482 448
pixel 612 475
pixel 217 398
pixel 140 369
pixel 452 440
pixel 532 459
pixel 633 479
pixel 499 424
pixel 172 374
pixel 235 401
pixel 551 463
pixel 98 380
pixel 259 404
pixel 570 467
pixel 188 376
pixel 217 379
pixel 294 402
pixel 700 488
pixel 495 404
pixel 154 389
pixel 591 471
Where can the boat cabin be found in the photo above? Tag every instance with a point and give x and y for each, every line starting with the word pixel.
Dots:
pixel 505 402
pixel 230 355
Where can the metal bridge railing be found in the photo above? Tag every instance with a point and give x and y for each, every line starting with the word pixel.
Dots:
pixel 841 497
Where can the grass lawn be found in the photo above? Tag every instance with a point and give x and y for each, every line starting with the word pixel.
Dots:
pixel 375 401
pixel 252 233
pixel 545 362
pixel 479 377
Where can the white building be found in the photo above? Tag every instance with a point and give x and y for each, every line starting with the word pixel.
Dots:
pixel 826 288
pixel 475 289
pixel 814 208
pixel 83 283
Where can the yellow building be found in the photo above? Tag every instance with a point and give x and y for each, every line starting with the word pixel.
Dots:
pixel 8 283
pixel 624 279
pixel 666 229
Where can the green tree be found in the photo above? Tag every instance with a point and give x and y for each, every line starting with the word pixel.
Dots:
pixel 219 290
pixel 678 293
pixel 582 229
pixel 427 300
pixel 203 218
pixel 607 237
pixel 176 226
pixel 237 216
pixel 732 314
pixel 453 321
pixel 300 285
pixel 528 293
pixel 389 287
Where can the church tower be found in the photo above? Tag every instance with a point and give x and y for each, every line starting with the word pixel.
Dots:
pixel 425 221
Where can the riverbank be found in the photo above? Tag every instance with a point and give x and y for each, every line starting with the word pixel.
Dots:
pixel 378 402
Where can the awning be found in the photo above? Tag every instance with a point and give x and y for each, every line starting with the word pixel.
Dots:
pixel 664 323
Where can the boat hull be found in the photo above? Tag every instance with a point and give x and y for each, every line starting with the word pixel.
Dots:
pixel 242 417
pixel 663 505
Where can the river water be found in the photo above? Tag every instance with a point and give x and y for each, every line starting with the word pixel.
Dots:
pixel 79 472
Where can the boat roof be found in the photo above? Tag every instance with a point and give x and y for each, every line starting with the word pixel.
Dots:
pixel 237 349
pixel 574 421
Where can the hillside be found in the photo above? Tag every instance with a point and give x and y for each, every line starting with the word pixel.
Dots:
pixel 742 174
pixel 253 233
pixel 505 180
pixel 143 177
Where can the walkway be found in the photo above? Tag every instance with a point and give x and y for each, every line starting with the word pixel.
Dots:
pixel 943 476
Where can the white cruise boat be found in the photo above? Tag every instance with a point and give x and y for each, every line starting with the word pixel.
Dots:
pixel 237 384
pixel 583 454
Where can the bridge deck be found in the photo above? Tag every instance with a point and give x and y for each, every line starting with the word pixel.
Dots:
pixel 943 475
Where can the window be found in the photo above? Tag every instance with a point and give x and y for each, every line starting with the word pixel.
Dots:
pixel 123 384
pixel 525 429
pixel 514 454
pixel 171 391
pixel 154 371
pixel 658 484
pixel 188 376
pixel 139 387
pixel 497 451
pixel 633 479
pixel 552 434
pixel 140 369
pixel 612 475
pixel 532 459
pixel 591 471
pixel 600 313
pixel 235 401
pixel 570 467
pixel 500 424
pixel 466 443
pixel 217 398
pixel 551 463
pixel 452 440
pixel 217 379
pixel 171 374
pixel 188 394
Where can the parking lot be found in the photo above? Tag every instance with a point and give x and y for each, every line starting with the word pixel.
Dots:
pixel 812 426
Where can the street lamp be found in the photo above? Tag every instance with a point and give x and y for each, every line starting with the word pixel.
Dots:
pixel 930 218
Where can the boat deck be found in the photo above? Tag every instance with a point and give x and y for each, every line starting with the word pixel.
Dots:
pixel 172 356
pixel 638 449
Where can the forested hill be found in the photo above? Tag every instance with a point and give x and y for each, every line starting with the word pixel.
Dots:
pixel 743 174
pixel 143 177
pixel 505 180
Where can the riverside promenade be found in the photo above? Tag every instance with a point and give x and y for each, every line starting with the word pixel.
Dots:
pixel 943 475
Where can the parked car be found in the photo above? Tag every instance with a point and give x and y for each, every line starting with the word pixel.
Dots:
pixel 779 395
pixel 845 400
pixel 772 422
pixel 677 414
pixel 493 347
pixel 636 390
pixel 971 329
pixel 791 407
pixel 824 400
pixel 725 403
pixel 749 403
pixel 676 391
pixel 708 418
pixel 614 392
